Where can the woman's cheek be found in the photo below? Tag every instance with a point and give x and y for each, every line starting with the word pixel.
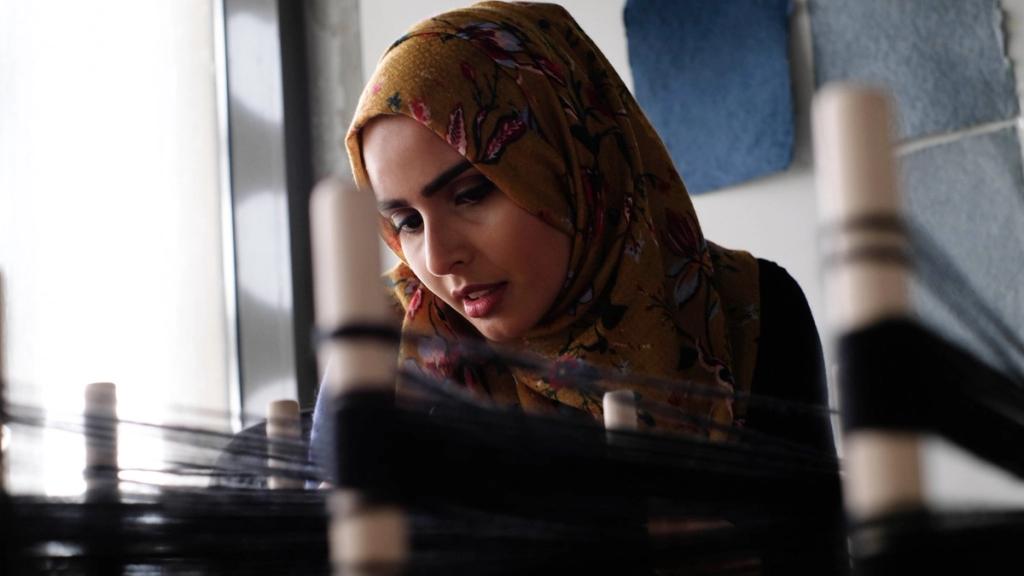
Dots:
pixel 414 257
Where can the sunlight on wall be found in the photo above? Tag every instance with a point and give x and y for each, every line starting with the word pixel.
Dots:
pixel 109 221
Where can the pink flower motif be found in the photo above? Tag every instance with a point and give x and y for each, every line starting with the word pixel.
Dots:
pixel 468 71
pixel 509 129
pixel 436 360
pixel 414 303
pixel 376 88
pixel 420 111
pixel 441 366
pixel 456 134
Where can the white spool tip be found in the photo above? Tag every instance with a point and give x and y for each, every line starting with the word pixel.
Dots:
pixel 857 183
pixel 101 440
pixel 884 472
pixel 101 399
pixel 284 429
pixel 620 410
pixel 100 393
pixel 365 535
pixel 283 411
pixel 347 289
pixel 283 420
pixel 853 136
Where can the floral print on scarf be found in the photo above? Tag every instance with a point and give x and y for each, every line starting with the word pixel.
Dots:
pixel 521 92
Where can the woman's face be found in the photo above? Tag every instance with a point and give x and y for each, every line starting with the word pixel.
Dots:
pixel 496 264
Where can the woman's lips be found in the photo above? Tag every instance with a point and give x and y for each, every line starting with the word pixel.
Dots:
pixel 481 299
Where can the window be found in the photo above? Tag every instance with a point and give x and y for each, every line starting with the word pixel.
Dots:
pixel 111 237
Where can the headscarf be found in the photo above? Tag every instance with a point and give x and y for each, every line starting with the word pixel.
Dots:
pixel 521 92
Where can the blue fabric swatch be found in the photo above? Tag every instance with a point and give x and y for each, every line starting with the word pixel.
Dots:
pixel 968 195
pixel 713 77
pixel 943 60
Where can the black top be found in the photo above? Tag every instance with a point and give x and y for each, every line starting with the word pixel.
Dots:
pixel 790 366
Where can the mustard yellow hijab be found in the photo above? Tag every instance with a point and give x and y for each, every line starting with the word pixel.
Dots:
pixel 524 94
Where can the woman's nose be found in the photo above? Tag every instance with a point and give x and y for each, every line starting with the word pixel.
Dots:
pixel 446 248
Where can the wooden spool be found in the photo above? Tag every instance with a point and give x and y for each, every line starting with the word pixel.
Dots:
pixel 284 434
pixel 366 537
pixel 857 182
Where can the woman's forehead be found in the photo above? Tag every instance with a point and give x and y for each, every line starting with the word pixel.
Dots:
pixel 399 154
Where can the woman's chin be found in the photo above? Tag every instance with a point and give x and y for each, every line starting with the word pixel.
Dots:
pixel 495 330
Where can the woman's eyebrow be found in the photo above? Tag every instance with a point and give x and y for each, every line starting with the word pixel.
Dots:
pixel 431 188
pixel 444 178
pixel 388 205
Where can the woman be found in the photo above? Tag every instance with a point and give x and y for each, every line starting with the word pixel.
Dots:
pixel 532 204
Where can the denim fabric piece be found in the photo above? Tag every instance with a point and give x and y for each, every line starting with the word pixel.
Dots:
pixel 968 195
pixel 943 60
pixel 713 77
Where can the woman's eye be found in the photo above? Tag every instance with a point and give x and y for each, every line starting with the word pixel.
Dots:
pixel 474 194
pixel 406 221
